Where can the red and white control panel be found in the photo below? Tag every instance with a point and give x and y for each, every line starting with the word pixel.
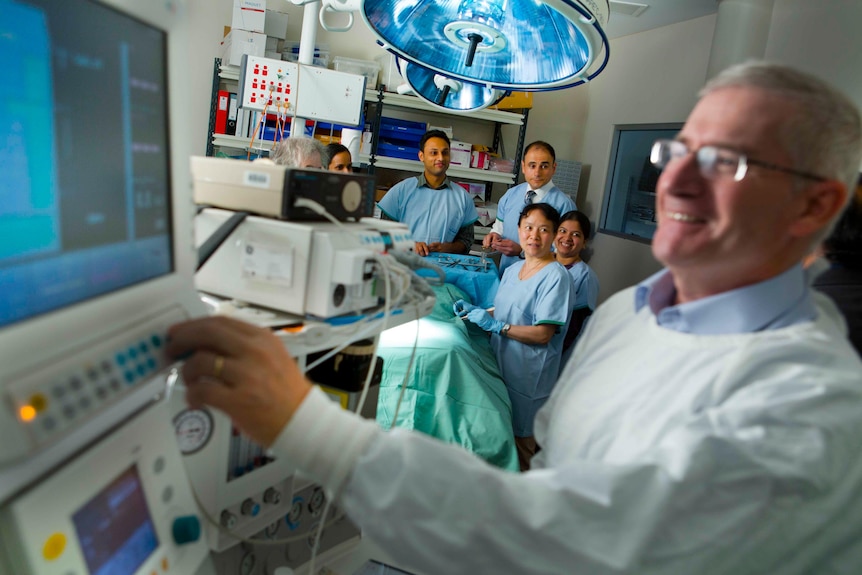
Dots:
pixel 268 84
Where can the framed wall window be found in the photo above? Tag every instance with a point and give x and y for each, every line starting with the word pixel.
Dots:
pixel 628 209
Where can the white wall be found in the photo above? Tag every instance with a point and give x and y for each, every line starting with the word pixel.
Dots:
pixel 822 38
pixel 652 77
pixel 208 17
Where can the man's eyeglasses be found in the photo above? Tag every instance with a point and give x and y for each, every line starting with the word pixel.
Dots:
pixel 715 161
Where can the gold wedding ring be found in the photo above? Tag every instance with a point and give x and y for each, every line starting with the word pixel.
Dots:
pixel 218 366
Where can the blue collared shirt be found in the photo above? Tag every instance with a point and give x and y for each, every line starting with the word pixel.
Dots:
pixel 783 300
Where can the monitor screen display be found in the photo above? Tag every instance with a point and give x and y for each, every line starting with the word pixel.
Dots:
pixel 115 529
pixel 85 192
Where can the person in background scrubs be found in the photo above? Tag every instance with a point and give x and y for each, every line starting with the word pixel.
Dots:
pixel 710 420
pixel 339 158
pixel 439 212
pixel 531 311
pixel 538 166
pixel 572 237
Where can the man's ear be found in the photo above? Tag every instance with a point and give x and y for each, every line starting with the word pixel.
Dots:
pixel 822 201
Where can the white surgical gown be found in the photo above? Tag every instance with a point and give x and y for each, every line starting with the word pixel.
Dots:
pixel 665 453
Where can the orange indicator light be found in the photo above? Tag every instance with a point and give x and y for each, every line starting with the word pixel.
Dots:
pixel 27 412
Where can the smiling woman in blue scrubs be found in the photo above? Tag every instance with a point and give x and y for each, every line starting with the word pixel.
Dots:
pixel 531 310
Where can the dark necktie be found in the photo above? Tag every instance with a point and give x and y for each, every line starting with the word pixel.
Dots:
pixel 528 198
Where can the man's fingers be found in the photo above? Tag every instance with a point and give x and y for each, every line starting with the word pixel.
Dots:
pixel 209 365
pixel 222 335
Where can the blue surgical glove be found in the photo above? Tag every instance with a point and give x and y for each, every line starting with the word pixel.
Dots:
pixel 484 320
pixel 462 307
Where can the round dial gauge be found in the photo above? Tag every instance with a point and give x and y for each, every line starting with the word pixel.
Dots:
pixel 193 428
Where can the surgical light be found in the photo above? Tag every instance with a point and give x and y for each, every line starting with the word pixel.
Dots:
pixel 524 45
pixel 447 93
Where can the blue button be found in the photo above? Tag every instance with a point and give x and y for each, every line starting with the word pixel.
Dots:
pixel 151 363
pixel 133 353
pixel 129 375
pixel 186 529
pixel 144 347
pixel 142 369
pixel 121 359
pixel 156 340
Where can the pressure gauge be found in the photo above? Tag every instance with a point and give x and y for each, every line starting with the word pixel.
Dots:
pixel 193 427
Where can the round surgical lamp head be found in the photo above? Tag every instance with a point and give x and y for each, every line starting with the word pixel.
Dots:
pixel 448 94
pixel 521 45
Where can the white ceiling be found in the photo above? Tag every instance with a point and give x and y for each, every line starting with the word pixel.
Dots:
pixel 659 13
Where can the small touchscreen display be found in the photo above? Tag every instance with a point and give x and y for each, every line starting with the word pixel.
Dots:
pixel 115 529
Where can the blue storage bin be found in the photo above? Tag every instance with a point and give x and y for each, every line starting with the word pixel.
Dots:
pixel 402 130
pixel 393 150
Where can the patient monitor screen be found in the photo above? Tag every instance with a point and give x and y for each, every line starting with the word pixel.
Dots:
pixel 115 528
pixel 85 189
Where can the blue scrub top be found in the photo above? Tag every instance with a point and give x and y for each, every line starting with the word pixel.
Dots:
pixel 586 284
pixel 512 204
pixel 432 215
pixel 530 371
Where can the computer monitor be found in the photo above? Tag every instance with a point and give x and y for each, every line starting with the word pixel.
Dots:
pixel 97 256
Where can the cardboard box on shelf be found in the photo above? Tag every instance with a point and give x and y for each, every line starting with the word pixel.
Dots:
pixel 475 190
pixel 480 160
pixel 515 101
pixel 249 15
pixel 239 42
pixel 487 213
pixel 275 24
pixel 459 154
pixel 445 129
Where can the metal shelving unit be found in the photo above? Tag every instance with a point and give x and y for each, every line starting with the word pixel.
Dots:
pixel 380 99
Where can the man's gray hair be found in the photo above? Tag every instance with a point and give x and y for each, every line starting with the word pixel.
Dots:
pixel 825 138
pixel 295 152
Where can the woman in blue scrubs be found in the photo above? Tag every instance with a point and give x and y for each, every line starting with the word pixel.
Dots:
pixel 531 312
pixel 572 236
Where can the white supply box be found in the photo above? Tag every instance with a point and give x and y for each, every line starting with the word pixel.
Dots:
pixel 275 25
pixel 248 15
pixel 459 154
pixel 240 42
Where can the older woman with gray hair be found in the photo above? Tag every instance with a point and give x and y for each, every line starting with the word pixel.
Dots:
pixel 300 152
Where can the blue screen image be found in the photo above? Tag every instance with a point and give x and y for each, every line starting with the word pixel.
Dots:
pixel 115 529
pixel 84 143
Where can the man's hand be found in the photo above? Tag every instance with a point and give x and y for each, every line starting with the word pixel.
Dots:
pixel 421 249
pixel 437 247
pixel 490 239
pixel 240 369
pixel 507 247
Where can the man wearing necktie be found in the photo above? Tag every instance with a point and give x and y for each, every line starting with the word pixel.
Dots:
pixel 538 166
